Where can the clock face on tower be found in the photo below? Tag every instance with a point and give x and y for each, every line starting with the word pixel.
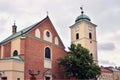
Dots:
pixel 89 28
pixel 76 28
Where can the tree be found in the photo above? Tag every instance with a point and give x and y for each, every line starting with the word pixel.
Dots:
pixel 79 63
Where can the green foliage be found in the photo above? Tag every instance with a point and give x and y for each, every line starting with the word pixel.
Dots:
pixel 79 63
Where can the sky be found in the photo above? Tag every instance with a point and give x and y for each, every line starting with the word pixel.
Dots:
pixel 104 13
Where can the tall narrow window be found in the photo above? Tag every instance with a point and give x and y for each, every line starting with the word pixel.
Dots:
pixel 15 53
pixel 91 54
pixel 37 33
pixel 56 41
pixel 90 35
pixel 47 53
pixel 77 36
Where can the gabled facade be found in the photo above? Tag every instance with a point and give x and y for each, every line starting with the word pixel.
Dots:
pixel 39 46
pixel 43 48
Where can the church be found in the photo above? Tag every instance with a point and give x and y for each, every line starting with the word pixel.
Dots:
pixel 34 51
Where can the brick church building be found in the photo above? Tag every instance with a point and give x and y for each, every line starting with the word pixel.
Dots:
pixel 33 52
pixel 35 48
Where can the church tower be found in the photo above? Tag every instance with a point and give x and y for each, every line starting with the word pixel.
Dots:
pixel 83 32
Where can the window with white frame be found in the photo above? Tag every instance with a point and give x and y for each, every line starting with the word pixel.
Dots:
pixel 48 58
pixel 37 33
pixel 56 41
pixel 47 53
pixel 47 35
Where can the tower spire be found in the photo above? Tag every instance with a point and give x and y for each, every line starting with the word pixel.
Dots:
pixel 47 13
pixel 14 28
pixel 14 22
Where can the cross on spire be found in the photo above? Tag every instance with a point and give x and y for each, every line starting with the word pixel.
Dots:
pixel 14 22
pixel 81 10
pixel 47 13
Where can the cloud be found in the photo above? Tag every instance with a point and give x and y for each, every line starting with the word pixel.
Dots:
pixel 106 63
pixel 116 36
pixel 2 22
pixel 106 46
pixel 63 14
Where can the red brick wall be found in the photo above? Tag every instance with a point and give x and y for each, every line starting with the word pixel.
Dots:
pixel 22 47
pixel 57 53
pixel 7 50
pixel 34 52
pixel 34 57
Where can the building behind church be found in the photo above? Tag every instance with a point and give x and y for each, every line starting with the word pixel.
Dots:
pixel 109 73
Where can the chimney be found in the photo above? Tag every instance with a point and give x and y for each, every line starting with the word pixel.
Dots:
pixel 14 28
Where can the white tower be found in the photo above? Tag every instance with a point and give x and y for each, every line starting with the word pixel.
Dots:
pixel 84 32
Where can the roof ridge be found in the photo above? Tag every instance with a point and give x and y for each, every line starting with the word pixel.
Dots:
pixel 23 31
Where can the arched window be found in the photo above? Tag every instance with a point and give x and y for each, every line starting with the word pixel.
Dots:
pixel 90 35
pixel 37 33
pixel 56 41
pixel 15 53
pixel 91 54
pixel 47 53
pixel 47 35
pixel 77 36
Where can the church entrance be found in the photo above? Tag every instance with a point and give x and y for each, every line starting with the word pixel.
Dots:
pixel 33 78
pixel 47 78
pixel 48 75
pixel 3 78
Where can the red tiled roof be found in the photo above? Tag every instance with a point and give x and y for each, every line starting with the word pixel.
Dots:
pixel 105 70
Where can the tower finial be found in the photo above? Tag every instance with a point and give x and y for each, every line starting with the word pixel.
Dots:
pixel 14 28
pixel 81 9
pixel 14 22
pixel 47 13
